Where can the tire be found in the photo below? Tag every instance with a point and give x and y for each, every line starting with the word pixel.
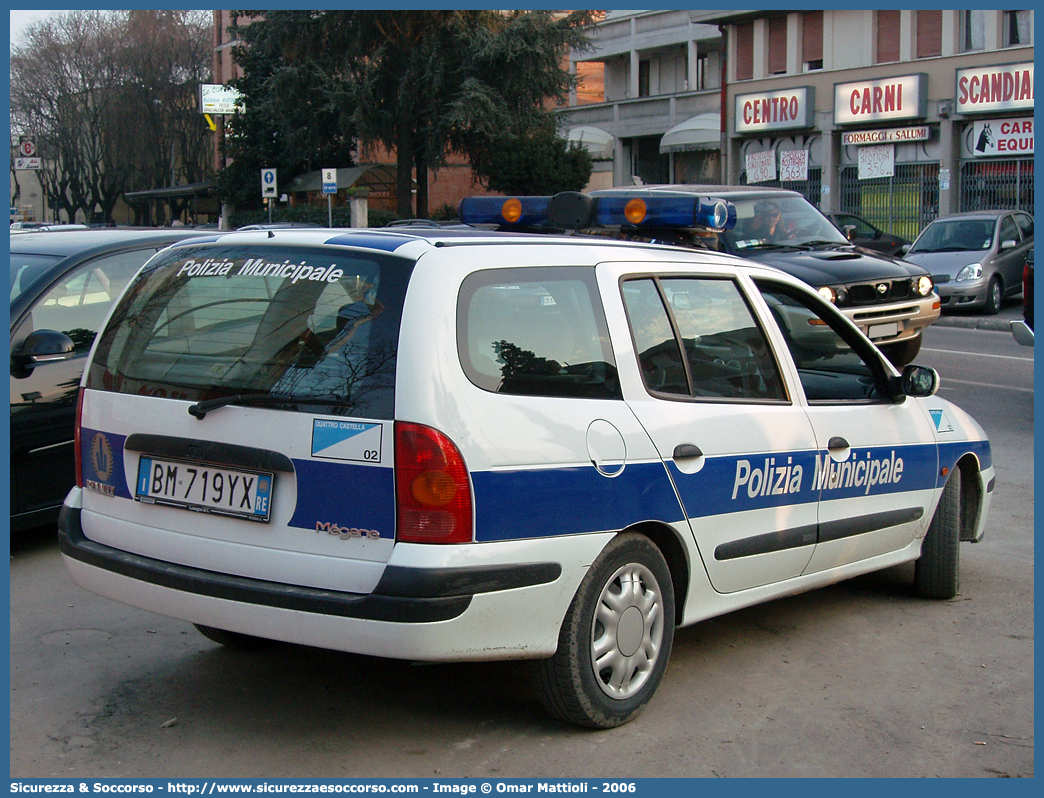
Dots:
pixel 232 639
pixel 624 610
pixel 994 297
pixel 937 570
pixel 902 353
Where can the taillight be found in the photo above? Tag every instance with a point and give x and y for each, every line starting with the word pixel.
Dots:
pixel 433 491
pixel 78 453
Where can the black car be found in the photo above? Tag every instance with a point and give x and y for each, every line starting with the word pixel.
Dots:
pixel 62 287
pixel 890 300
pixel 867 235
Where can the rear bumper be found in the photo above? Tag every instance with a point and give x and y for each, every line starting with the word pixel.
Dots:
pixel 1022 332
pixel 426 607
pixel 403 595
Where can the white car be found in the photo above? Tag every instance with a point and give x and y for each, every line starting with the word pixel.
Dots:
pixel 447 444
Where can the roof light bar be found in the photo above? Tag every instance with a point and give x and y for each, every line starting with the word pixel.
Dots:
pixel 504 211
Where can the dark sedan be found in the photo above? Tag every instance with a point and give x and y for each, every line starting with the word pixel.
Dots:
pixel 62 287
pixel 867 235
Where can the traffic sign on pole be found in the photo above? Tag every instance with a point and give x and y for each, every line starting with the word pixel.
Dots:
pixel 329 181
pixel 268 183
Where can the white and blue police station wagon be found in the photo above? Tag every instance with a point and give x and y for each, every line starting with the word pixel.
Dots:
pixel 452 444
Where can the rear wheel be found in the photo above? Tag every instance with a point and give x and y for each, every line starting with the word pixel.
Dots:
pixel 232 639
pixel 994 297
pixel 937 571
pixel 616 638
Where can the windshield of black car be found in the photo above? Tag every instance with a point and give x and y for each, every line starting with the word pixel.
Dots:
pixel 776 221
pixel 26 270
pixel 318 325
pixel 955 235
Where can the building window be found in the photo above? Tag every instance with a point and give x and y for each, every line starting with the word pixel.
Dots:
pixel 929 33
pixel 702 65
pixel 887 36
pixel 1018 28
pixel 777 45
pixel 643 78
pixel 812 40
pixel 745 51
pixel 973 35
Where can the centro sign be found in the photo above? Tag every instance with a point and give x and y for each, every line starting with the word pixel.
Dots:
pixel 884 100
pixel 775 110
pixel 1008 87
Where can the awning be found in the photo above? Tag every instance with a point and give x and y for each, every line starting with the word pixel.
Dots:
pixel 171 192
pixel 376 177
pixel 597 141
pixel 700 132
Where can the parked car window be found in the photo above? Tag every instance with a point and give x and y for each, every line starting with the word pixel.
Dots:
pixel 831 366
pixel 79 303
pixel 1008 230
pixel 26 270
pixel 863 228
pixel 1025 223
pixel 536 332
pixel 955 235
pixel 726 354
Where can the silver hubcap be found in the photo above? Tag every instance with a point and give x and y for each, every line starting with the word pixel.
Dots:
pixel 627 631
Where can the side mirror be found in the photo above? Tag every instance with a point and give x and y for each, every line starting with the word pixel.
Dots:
pixel 919 381
pixel 850 231
pixel 44 346
pixel 904 249
pixel 1009 244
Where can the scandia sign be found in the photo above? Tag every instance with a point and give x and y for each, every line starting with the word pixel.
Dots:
pixel 1007 87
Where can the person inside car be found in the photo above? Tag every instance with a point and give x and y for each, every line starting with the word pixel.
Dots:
pixel 766 223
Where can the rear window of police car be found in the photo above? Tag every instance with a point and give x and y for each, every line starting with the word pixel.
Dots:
pixel 318 325
pixel 536 332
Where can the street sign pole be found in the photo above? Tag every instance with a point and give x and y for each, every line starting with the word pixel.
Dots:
pixel 268 189
pixel 329 189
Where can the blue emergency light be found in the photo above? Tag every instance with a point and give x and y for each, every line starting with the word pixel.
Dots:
pixel 504 211
pixel 652 211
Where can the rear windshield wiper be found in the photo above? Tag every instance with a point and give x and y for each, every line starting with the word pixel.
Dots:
pixel 200 409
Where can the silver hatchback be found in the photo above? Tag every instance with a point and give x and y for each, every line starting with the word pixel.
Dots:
pixel 975 258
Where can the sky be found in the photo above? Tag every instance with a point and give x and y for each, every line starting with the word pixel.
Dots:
pixel 20 20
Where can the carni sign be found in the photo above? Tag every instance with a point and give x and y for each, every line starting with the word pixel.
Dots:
pixel 884 100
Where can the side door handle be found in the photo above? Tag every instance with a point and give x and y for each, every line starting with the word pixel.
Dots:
pixel 685 451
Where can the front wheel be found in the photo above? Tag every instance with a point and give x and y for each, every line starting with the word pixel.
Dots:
pixel 615 640
pixel 937 570
pixel 994 297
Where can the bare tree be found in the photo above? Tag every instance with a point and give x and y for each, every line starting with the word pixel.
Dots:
pixel 111 99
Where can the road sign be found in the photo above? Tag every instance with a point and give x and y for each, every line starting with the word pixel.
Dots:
pixel 27 148
pixel 329 181
pixel 268 183
pixel 28 163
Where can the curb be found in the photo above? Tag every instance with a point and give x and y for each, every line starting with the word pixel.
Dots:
pixel 976 323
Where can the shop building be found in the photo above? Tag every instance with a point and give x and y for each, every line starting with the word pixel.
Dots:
pixel 648 107
pixel 898 116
